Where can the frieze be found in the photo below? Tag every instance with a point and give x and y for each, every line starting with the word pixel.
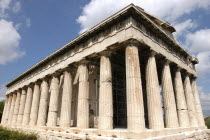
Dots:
pixel 162 43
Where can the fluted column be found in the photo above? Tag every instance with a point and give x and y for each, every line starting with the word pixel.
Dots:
pixel 16 109
pixel 135 104
pixel 190 102
pixel 180 100
pixel 105 94
pixel 43 106
pixel 155 114
pixel 8 109
pixel 27 109
pixel 12 108
pixel 197 103
pixel 22 106
pixel 53 107
pixel 83 97
pixel 65 120
pixel 171 119
pixel 35 105
pixel 5 110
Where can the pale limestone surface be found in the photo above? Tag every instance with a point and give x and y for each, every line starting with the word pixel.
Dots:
pixel 83 97
pixel 190 102
pixel 93 106
pixel 65 120
pixel 134 95
pixel 106 95
pixel 21 108
pixel 53 106
pixel 153 95
pixel 180 100
pixel 12 108
pixel 197 104
pixel 16 108
pixel 171 119
pixel 42 114
pixel 35 105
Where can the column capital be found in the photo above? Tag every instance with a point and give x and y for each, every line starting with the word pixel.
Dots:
pixel 68 69
pixel 152 53
pixel 56 73
pixel 83 61
pixel 30 85
pixel 133 42
pixel 106 53
pixel 166 61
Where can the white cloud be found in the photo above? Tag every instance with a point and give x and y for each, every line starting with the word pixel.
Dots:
pixel 205 101
pixel 184 28
pixel 9 42
pixel 28 22
pixel 98 10
pixel 198 41
pixel 4 5
pixel 203 68
pixel 17 6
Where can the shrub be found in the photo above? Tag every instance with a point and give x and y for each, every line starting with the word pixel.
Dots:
pixel 6 134
pixel 207 121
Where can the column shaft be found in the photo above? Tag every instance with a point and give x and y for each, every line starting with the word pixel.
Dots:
pixel 8 109
pixel 83 98
pixel 180 100
pixel 65 120
pixel 12 108
pixel 197 104
pixel 43 106
pixel 171 119
pixel 5 110
pixel 27 109
pixel 135 104
pixel 22 106
pixel 190 102
pixel 16 109
pixel 105 95
pixel 155 114
pixel 35 105
pixel 53 108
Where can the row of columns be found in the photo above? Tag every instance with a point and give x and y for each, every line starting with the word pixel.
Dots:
pixel 181 100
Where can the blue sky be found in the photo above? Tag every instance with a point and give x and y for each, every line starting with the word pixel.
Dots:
pixel 31 30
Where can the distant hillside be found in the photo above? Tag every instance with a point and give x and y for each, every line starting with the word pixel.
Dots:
pixel 207 121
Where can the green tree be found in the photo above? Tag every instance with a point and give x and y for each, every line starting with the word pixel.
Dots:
pixel 207 121
pixel 1 108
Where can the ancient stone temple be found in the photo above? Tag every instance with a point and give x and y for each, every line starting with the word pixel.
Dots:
pixel 126 78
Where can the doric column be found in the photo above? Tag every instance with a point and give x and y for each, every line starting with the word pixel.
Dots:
pixel 43 106
pixel 135 103
pixel 105 94
pixel 27 109
pixel 22 106
pixel 155 114
pixel 35 105
pixel 53 107
pixel 65 119
pixel 5 110
pixel 190 102
pixel 197 103
pixel 83 97
pixel 16 109
pixel 180 100
pixel 171 119
pixel 12 108
pixel 8 109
